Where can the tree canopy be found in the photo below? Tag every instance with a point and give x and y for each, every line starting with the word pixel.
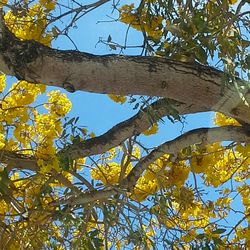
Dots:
pixel 63 187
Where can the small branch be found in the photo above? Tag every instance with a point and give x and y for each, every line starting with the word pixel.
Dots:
pixel 79 9
pixel 63 180
pixel 87 197
pixel 196 136
pixel 82 179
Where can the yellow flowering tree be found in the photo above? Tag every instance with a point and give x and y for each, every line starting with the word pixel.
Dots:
pixel 63 187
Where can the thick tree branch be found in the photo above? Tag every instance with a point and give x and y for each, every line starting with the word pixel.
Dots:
pixel 14 160
pixel 126 129
pixel 193 84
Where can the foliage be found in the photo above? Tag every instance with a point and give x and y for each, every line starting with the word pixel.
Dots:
pixel 184 201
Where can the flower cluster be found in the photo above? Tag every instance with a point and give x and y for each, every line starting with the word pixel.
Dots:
pixel 32 24
pixel 152 27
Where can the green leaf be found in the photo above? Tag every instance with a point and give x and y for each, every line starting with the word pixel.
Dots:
pixel 245 43
pixel 248 61
pixel 136 106
pixel 109 39
pixel 219 231
pixel 113 47
pixel 71 121
pixel 174 29
pixel 218 241
pixel 201 55
pixel 64 162
pixel 55 31
pixel 206 248
pixel 94 233
pixel 200 236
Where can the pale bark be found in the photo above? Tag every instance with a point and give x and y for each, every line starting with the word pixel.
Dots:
pixel 88 197
pixel 193 84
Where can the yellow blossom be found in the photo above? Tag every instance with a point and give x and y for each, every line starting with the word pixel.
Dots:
pixel 2 141
pixel 48 4
pixel 144 188
pixel 109 173
pixel 2 82
pixel 232 1
pixel 223 120
pixel 152 130
pixel 117 98
pixel 58 104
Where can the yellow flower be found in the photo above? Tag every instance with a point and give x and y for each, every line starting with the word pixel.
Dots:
pixel 47 165
pixel 144 188
pixel 186 195
pixel 152 130
pixel 109 173
pixel 58 103
pixel 118 98
pixel 24 133
pixel 92 135
pixel 79 163
pixel 3 2
pixel 232 1
pixel 32 25
pixel 197 164
pixel 2 141
pixel 244 191
pixel 178 174
pixel 3 207
pixel 152 26
pixel 2 82
pixel 223 120
pixel 48 4
pixel 136 152
pixel 244 150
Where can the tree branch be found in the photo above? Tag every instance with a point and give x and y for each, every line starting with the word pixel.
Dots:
pixel 126 129
pixel 112 138
pixel 87 197
pixel 14 160
pixel 196 136
pixel 192 84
